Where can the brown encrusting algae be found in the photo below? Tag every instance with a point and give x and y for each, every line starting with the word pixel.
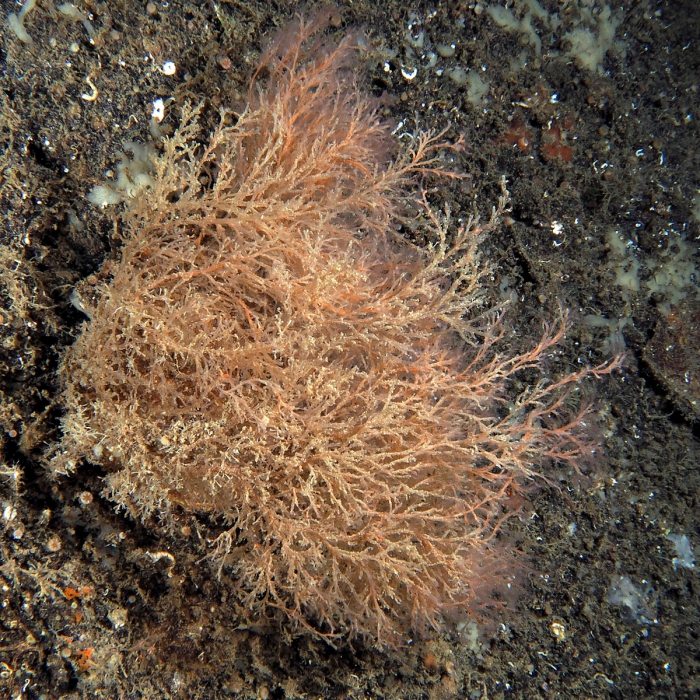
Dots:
pixel 268 350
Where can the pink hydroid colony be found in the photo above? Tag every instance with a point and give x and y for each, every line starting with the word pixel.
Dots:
pixel 268 351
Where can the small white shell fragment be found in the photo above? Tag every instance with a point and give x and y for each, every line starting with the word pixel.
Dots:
pixel 9 513
pixel 158 110
pixel 558 631
pixel 409 73
pixel 169 68
pixel 118 617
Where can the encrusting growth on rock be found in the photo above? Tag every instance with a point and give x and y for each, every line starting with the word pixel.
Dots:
pixel 268 351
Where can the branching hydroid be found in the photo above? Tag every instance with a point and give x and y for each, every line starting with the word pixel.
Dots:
pixel 267 350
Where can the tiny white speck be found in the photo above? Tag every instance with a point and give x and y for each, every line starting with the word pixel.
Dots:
pixel 169 68
pixel 158 110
